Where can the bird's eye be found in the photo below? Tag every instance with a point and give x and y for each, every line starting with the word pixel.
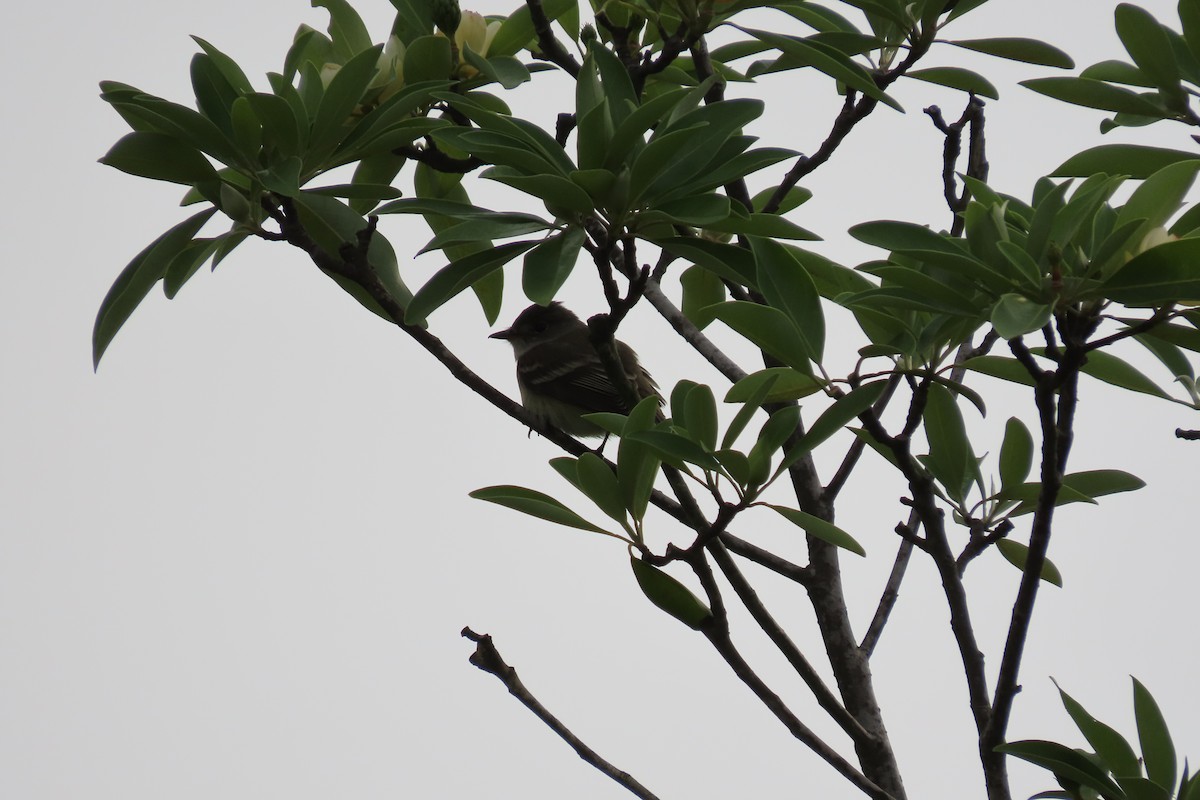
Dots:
pixel 539 327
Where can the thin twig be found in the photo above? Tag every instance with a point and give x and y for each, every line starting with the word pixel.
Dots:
pixel 488 659
pixel 745 592
pixel 891 592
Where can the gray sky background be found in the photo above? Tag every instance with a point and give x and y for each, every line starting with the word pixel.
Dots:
pixel 234 563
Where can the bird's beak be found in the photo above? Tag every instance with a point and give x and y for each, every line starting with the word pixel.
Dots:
pixel 504 334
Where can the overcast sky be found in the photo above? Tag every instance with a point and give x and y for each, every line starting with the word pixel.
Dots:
pixel 235 562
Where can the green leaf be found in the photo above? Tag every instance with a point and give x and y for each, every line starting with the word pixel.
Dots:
pixel 778 429
pixel 159 157
pixel 1016 454
pixel 956 78
pixel 1110 746
pixel 788 288
pixel 536 504
pixel 1095 94
pixel 742 418
pixel 341 97
pixel 228 68
pixel 346 29
pixel 768 329
pixel 903 236
pixel 1030 51
pixel 1157 749
pixel 1159 196
pixel 427 58
pixel 787 384
pixel 1017 554
pixel 599 483
pixel 673 447
pixel 949 449
pixel 726 261
pixel 820 529
pixel 558 193
pixel 504 70
pixel 701 289
pixel 637 465
pixel 138 278
pixel 669 594
pixel 1100 482
pixel 517 31
pixel 1016 315
pixel 548 265
pixel 1106 367
pixel 825 59
pixel 833 419
pixel 1064 763
pixel 1148 45
pixel 701 414
pixel 187 263
pixel 458 275
pixel 1168 273
pixel 1008 369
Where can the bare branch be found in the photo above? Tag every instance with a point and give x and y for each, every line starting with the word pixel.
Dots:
pixel 891 592
pixel 488 659
pixel 825 698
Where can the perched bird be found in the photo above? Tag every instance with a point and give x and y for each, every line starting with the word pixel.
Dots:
pixel 559 373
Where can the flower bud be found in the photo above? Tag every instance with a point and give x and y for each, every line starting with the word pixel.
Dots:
pixel 446 15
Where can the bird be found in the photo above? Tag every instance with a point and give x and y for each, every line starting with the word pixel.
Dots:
pixel 560 375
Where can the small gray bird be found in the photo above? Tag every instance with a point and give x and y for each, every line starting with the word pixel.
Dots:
pixel 559 373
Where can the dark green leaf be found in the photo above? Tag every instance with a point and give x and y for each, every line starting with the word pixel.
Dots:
pixel 1030 51
pixel 1157 749
pixel 669 594
pixel 1065 763
pixel 636 463
pixel 548 265
pixel 1148 45
pixel 1106 367
pixel 1164 274
pixel 768 329
pixel 826 59
pixel 159 157
pixel 726 261
pixel 820 529
pixel 764 225
pixel 427 59
pixel 674 447
pixel 788 287
pixel 788 384
pixel 346 29
pixel 187 263
pixel 599 483
pixel 1016 453
pixel 956 78
pixel 1095 94
pixel 833 419
pixel 701 290
pixel 701 413
pixel 517 31
pixel 1015 315
pixel 558 193
pixel 742 418
pixel 504 70
pixel 536 504
pixel 1110 746
pixel 341 97
pixel 458 275
pixel 138 278
pixel 949 449
pixel 1008 369
pixel 901 236
pixel 777 430
pixel 1017 554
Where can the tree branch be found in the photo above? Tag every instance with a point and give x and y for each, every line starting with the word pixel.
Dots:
pixel 488 659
